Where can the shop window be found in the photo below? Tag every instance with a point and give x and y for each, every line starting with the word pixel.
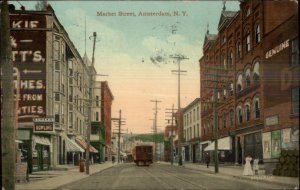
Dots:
pixel 295 100
pixel 294 52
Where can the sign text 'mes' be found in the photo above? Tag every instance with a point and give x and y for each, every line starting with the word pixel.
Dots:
pixel 43 127
pixel 43 120
pixel 277 49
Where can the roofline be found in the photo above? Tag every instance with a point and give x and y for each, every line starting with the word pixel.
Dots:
pixel 191 104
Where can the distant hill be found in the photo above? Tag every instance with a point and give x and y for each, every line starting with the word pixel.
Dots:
pixel 147 137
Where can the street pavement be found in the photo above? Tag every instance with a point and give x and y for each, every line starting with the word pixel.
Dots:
pixel 237 172
pixel 59 178
pixel 63 175
pixel 164 176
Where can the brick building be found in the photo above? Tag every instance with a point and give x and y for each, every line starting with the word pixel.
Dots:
pixel 257 50
pixel 52 82
pixel 106 103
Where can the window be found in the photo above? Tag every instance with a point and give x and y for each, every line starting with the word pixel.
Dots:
pixel 198 131
pixel 70 68
pixel 194 135
pixel 256 108
pixel 295 52
pixel 240 83
pixel 240 114
pixel 248 11
pixel 230 59
pixel 194 115
pixel 57 81
pixel 238 50
pixel 97 116
pixel 231 118
pixel 198 113
pixel 256 72
pixel 257 34
pixel 295 100
pixel 247 113
pixel 223 58
pixel 231 89
pixel 97 101
pixel 70 119
pixel 248 41
pixel 224 120
pixel 56 51
pixel 57 97
pixel 247 73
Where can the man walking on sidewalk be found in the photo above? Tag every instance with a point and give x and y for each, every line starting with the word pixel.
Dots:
pixel 207 159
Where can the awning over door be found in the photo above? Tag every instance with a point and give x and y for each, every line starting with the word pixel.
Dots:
pixel 223 144
pixel 83 144
pixel 41 140
pixel 71 146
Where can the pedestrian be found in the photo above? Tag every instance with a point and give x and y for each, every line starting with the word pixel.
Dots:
pixel 247 167
pixel 207 159
pixel 113 159
pixel 255 166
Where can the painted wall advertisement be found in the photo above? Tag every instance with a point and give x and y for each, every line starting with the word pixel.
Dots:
pixel 276 144
pixel 28 54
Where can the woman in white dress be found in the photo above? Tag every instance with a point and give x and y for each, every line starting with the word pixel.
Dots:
pixel 247 167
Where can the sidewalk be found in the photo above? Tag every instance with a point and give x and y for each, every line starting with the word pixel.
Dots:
pixel 237 172
pixel 61 177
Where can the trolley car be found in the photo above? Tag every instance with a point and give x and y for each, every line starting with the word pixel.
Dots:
pixel 142 155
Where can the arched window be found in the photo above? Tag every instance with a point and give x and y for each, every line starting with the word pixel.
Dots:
pixel 231 89
pixel 248 41
pixel 256 107
pixel 223 59
pixel 247 11
pixel 224 120
pixel 239 83
pixel 257 33
pixel 247 78
pixel 247 110
pixel 256 72
pixel 239 114
pixel 238 50
pixel 230 59
pixel 224 94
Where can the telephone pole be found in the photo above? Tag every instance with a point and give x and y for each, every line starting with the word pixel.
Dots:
pixel 155 127
pixel 91 85
pixel 9 114
pixel 120 123
pixel 171 139
pixel 216 84
pixel 179 125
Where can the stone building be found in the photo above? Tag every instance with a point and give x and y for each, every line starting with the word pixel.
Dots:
pixel 192 131
pixel 254 57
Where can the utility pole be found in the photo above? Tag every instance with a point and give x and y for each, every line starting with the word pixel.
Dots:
pixel 9 114
pixel 179 125
pixel 120 123
pixel 91 83
pixel 172 131
pixel 216 85
pixel 155 127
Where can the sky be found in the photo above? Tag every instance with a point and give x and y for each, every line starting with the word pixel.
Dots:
pixel 127 45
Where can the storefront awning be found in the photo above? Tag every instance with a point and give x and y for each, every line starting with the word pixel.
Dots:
pixel 41 140
pixel 18 141
pixel 223 144
pixel 71 146
pixel 83 144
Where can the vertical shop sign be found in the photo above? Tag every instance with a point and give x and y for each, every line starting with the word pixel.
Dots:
pixel 276 145
pixel 28 40
pixel 267 145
